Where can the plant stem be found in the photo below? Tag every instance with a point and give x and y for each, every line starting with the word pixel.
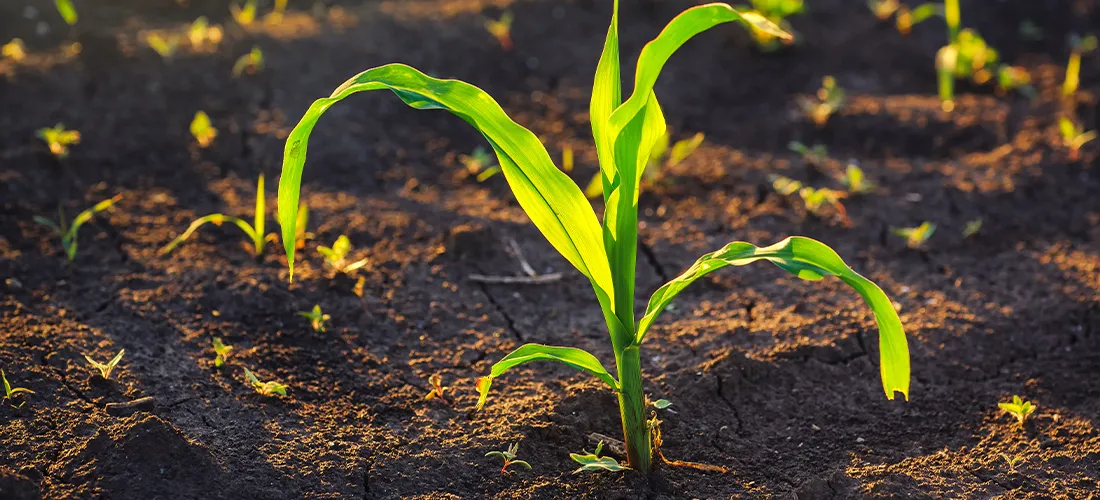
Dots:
pixel 952 18
pixel 632 409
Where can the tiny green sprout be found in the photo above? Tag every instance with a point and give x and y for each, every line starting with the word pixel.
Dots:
pixel 1018 408
pixel 1078 47
pixel 202 129
pixel 251 63
pixel 14 50
pixel 480 163
pixel 915 237
pixel 255 231
pixel 201 34
pixel 883 9
pixel 269 388
pixel 221 352
pixel 855 181
pixel 301 229
pixel 58 139
pixel 1074 136
pixel 776 11
pixel 816 199
pixel 972 228
pixel 816 155
pixel 67 11
pixel 966 57
pixel 660 404
pixel 660 157
pixel 68 233
pixel 166 45
pixel 907 18
pixel 829 100
pixel 785 185
pixel 1012 461
pixel 245 13
pixel 501 29
pixel 594 462
pixel 317 319
pixel 567 159
pixel 509 458
pixel 1014 78
pixel 105 369
pixel 437 390
pixel 10 392
pixel 336 256
pixel 276 15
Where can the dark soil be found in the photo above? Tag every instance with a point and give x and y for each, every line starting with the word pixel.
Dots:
pixel 771 377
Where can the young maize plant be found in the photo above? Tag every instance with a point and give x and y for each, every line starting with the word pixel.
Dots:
pixel 255 231
pixel 67 233
pixel 606 254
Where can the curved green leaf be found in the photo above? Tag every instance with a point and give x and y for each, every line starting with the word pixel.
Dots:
pixel 553 202
pixel 217 220
pixel 810 260
pixel 570 356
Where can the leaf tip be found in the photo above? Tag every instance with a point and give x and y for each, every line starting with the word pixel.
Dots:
pixel 483 385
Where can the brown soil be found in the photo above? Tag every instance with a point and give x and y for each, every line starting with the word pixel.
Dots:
pixel 771 377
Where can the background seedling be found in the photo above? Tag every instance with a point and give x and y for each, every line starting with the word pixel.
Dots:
pixel 829 100
pixel 1078 47
pixel 501 29
pixel 816 199
pixel 437 390
pixel 165 45
pixel 776 11
pixel 10 392
pixel 972 228
pixel 907 18
pixel 605 253
pixel 660 157
pixel 58 139
pixel 816 155
pixel 105 369
pixel 301 232
pixel 915 237
pixel 883 9
pixel 14 50
pixel 336 256
pixel 221 352
pixel 202 35
pixel 67 11
pixel 594 462
pixel 254 232
pixel 1019 408
pixel 1074 136
pixel 1011 461
pixel 567 159
pixel 480 163
pixel 244 13
pixel 251 63
pixel 269 388
pixel 660 404
pixel 855 181
pixel 317 319
pixel 509 458
pixel 68 234
pixel 202 130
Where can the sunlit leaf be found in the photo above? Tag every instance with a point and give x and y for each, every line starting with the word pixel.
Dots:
pixel 570 356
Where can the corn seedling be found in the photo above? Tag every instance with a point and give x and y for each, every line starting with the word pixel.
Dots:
pixel 14 50
pixel 1078 47
pixel 201 34
pixel 202 130
pixel 276 15
pixel 221 352
pixel 58 139
pixel 301 229
pixel 855 181
pixel 816 199
pixel 972 228
pixel 907 18
pixel 567 159
pixel 1074 136
pixel 67 233
pixel 1019 408
pixel 251 63
pixel 606 254
pixel 244 13
pixel 269 388
pixel 501 29
pixel 437 390
pixel 255 232
pixel 509 458
pixel 1011 78
pixel 105 369
pixel 166 45
pixel 777 12
pixel 816 155
pixel 883 9
pixel 660 157
pixel 480 163
pixel 10 392
pixel 67 11
pixel 1011 461
pixel 594 462
pixel 317 319
pixel 336 256
pixel 829 100
pixel 915 237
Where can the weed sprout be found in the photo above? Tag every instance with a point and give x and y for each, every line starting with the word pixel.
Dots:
pixel 10 392
pixel 509 458
pixel 1019 408
pixel 105 369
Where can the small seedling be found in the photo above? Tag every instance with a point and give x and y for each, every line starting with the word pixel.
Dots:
pixel 915 237
pixel 269 388
pixel 336 256
pixel 10 392
pixel 1074 136
pixel 816 199
pixel 245 13
pixel 594 462
pixel 907 18
pixel 255 232
pixel 67 11
pixel 201 34
pixel 829 100
pixel 883 9
pixel 276 15
pixel 785 185
pixel 14 50
pixel 301 229
pixel 58 139
pixel 317 319
pixel 972 228
pixel 660 404
pixel 106 369
pixel 776 11
pixel 1011 461
pixel 480 163
pixel 68 234
pixel 1078 47
pixel 509 458
pixel 202 130
pixel 437 390
pixel 221 352
pixel 567 159
pixel 1019 408
pixel 1014 78
pixel 501 29
pixel 855 181
pixel 816 155
pixel 166 45
pixel 251 63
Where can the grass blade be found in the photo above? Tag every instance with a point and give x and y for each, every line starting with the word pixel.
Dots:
pixel 570 356
pixel 216 219
pixel 260 219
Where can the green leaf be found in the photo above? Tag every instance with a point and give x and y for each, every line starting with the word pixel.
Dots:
pixel 49 223
pixel 521 463
pixel 684 148
pixel 216 219
pixel 591 463
pixel 810 260
pixel 87 215
pixel 67 11
pixel 553 202
pixel 661 404
pixel 606 96
pixel 260 218
pixel 569 356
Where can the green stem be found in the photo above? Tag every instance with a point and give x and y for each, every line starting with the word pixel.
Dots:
pixel 952 16
pixel 632 409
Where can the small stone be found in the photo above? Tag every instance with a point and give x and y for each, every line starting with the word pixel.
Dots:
pixel 128 408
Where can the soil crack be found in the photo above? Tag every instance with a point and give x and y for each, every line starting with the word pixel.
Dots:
pixel 651 258
pixel 500 309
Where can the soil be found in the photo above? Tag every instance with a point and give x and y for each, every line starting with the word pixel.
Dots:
pixel 771 377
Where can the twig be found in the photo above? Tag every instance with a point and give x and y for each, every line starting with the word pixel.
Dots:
pixel 532 278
